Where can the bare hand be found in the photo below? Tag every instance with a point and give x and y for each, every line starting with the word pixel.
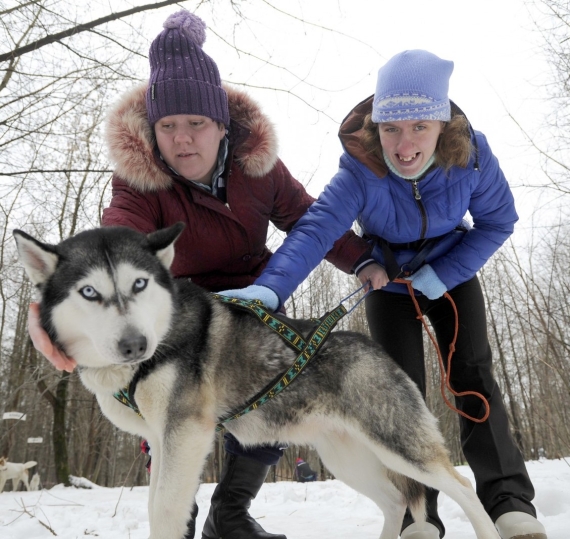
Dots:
pixel 44 345
pixel 373 275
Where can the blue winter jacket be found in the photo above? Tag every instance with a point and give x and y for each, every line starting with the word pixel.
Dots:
pixel 386 207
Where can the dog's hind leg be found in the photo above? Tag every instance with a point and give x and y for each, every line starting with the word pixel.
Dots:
pixel 443 476
pixel 25 480
pixel 414 493
pixel 357 466
pixel 435 470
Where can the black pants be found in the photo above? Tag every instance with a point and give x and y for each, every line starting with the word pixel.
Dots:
pixel 502 482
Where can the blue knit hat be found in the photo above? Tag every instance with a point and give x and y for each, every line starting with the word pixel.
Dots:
pixel 183 78
pixel 413 85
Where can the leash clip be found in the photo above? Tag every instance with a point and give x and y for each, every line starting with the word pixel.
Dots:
pixel 405 271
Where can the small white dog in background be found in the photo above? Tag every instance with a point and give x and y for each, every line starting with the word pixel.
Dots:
pixel 16 472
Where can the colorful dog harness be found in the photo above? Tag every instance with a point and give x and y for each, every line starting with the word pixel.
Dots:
pixel 305 347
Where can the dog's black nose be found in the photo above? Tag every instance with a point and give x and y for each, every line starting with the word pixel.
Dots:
pixel 133 347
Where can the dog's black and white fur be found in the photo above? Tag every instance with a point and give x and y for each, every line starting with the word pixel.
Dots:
pixel 108 300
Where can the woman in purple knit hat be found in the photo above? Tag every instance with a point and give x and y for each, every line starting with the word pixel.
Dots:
pixel 188 148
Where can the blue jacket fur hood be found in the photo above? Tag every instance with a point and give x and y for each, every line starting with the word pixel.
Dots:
pixel 384 205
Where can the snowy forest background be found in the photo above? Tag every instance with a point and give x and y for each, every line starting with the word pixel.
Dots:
pixel 62 65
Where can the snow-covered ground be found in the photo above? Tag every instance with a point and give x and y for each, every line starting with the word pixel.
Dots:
pixel 300 510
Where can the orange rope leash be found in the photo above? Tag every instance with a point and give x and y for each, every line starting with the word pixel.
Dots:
pixel 445 376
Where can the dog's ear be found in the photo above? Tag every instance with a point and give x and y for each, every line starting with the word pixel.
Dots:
pixel 162 242
pixel 39 259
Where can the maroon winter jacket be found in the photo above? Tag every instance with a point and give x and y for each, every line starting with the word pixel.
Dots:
pixel 223 245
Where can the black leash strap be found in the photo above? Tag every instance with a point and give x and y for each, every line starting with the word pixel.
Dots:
pixel 396 271
pixel 428 247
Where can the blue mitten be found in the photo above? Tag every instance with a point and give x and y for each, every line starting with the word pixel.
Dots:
pixel 426 281
pixel 254 291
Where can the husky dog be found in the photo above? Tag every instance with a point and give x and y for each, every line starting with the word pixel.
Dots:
pixel 189 359
pixel 16 472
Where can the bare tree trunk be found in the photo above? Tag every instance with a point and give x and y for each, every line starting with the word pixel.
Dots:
pixel 59 439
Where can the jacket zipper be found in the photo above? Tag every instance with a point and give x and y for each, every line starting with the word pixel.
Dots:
pixel 418 197
pixel 417 194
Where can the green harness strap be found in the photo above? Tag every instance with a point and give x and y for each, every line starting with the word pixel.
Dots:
pixel 126 396
pixel 291 337
pixel 306 348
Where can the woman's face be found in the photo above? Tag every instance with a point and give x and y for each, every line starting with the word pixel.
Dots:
pixel 409 144
pixel 189 144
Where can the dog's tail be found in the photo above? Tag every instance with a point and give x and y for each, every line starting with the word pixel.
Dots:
pixel 30 464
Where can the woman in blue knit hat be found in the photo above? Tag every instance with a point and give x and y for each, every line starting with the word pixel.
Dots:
pixel 188 148
pixel 411 170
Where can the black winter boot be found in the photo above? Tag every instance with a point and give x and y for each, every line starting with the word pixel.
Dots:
pixel 228 518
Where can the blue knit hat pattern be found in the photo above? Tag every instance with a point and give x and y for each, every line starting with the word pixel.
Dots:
pixel 183 78
pixel 413 85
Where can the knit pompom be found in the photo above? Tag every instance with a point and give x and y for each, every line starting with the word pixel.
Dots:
pixel 192 26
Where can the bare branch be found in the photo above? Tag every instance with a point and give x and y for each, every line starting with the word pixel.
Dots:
pixel 27 512
pixel 338 32
pixel 19 51
pixel 56 171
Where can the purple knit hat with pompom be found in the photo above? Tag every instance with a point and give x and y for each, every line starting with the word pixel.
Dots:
pixel 183 78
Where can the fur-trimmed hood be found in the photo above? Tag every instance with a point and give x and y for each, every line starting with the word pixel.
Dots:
pixel 132 147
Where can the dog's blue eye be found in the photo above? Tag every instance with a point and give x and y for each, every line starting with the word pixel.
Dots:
pixel 140 284
pixel 88 292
